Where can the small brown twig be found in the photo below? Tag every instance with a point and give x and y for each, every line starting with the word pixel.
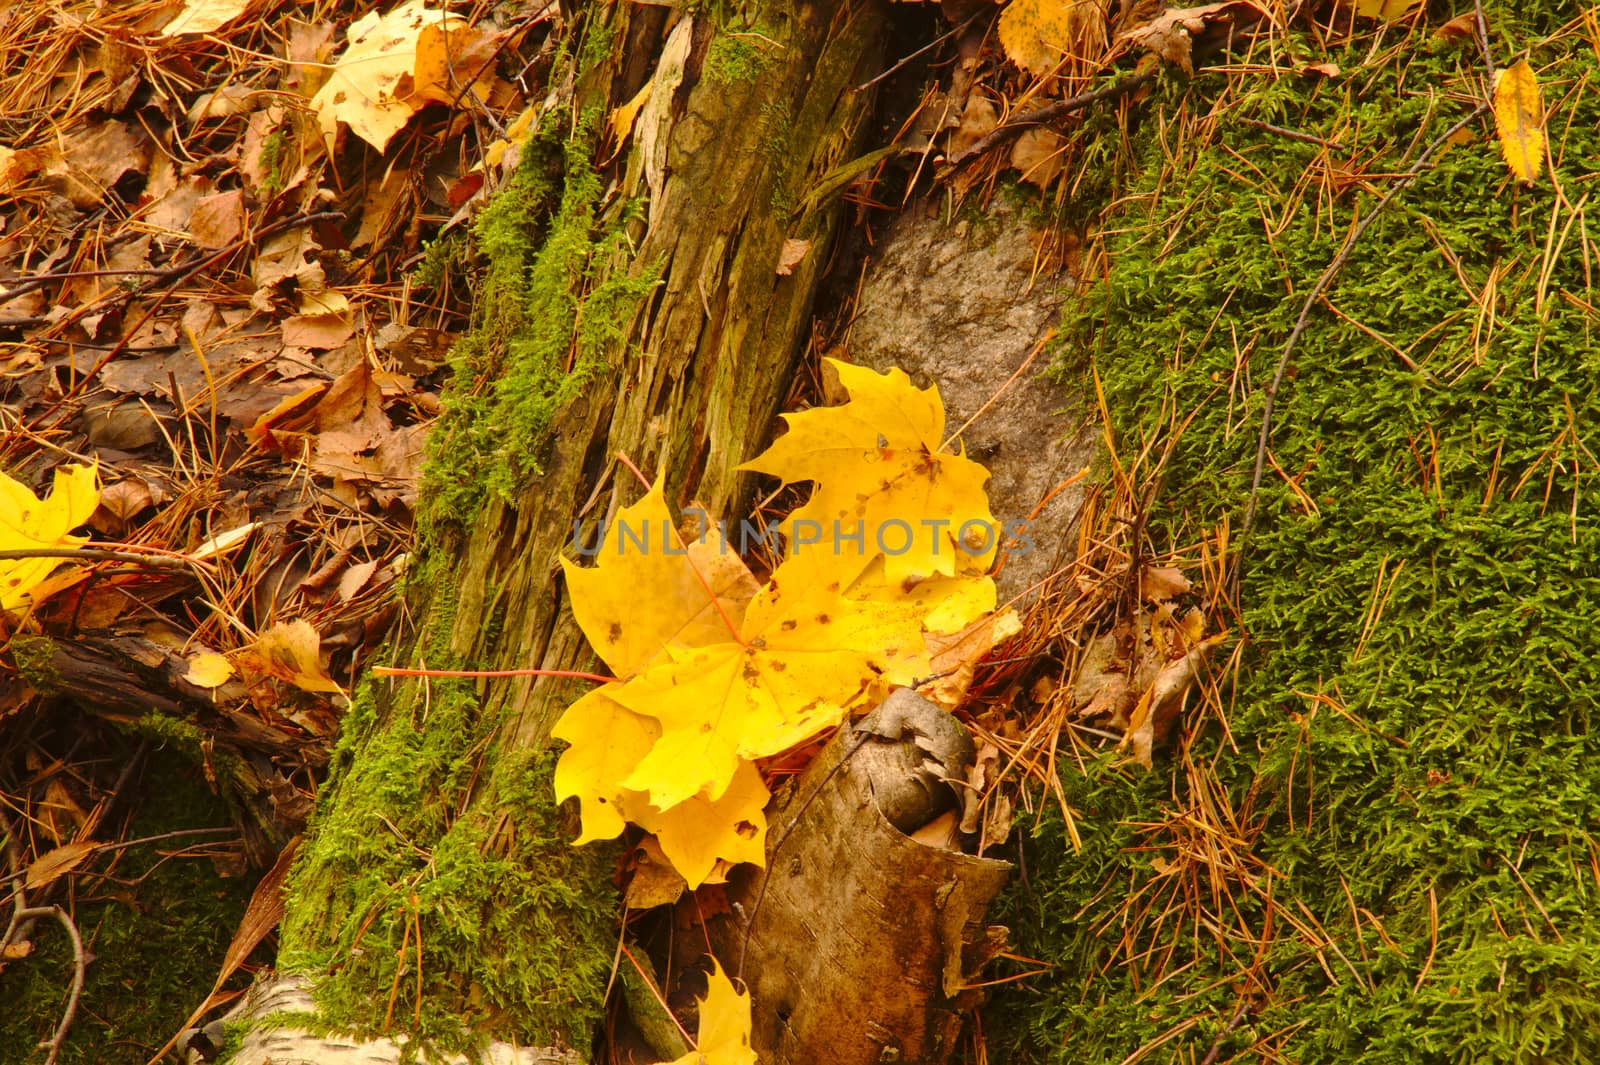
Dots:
pixel 79 964
pixel 1049 113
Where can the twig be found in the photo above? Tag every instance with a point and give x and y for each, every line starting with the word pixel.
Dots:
pixel 1292 134
pixel 1049 113
pixel 98 554
pixel 970 19
pixel 1483 42
pixel 1233 1023
pixel 1304 318
pixel 79 963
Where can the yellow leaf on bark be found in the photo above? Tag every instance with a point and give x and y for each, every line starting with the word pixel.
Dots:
pixel 642 559
pixel 882 484
pixel 1519 119
pixel 700 830
pixel 607 742
pixel 28 523
pixel 724 1036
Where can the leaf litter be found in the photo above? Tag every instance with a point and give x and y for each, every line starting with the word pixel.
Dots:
pixel 216 381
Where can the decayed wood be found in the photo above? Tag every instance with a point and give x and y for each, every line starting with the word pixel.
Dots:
pixel 694 387
pixel 864 938
pixel 711 353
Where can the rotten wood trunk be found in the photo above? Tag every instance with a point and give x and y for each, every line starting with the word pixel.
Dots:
pixel 693 387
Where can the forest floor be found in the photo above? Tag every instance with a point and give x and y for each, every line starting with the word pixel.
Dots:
pixel 243 326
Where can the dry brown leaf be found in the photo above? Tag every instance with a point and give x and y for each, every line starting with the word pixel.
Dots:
pixel 218 220
pixel 1038 154
pixel 52 865
pixel 1157 710
pixel 978 120
pixel 1519 120
pixel 96 156
pixel 1171 34
pixel 292 652
pixel 655 882
pixel 1459 28
pixel 789 257
pixel 355 578
pixel 1162 582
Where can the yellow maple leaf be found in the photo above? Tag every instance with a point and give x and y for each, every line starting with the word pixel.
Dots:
pixel 607 741
pixel 642 558
pixel 700 830
pixel 1519 120
pixel 807 652
pixel 882 484
pixel 28 523
pixel 724 1036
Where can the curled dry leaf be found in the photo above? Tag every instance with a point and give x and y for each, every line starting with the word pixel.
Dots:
pixel 292 651
pixel 1162 582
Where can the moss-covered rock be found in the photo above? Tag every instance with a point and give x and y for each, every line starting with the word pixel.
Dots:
pixel 1389 855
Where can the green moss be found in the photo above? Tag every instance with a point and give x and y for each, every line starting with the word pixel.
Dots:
pixel 1411 878
pixel 735 56
pixel 777 135
pixel 550 312
pixel 504 908
pixel 155 936
pixel 34 656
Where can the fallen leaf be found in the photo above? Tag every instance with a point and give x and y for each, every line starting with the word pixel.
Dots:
pixel 724 1036
pixel 1038 155
pixel 878 470
pixel 1038 34
pixel 54 864
pixel 1519 120
pixel 1157 709
pixel 653 880
pixel 218 220
pixel 791 254
pixel 1162 582
pixel 1459 28
pixel 364 90
pixel 292 651
pixel 695 585
pixel 1389 10
pixel 209 670
pixel 1171 34
pixel 978 119
pixel 28 523
pixel 203 16
pixel 224 542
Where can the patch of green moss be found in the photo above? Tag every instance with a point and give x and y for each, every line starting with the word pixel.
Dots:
pixel 501 910
pixel 549 311
pixel 1411 738
pixel 735 56
pixel 155 936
